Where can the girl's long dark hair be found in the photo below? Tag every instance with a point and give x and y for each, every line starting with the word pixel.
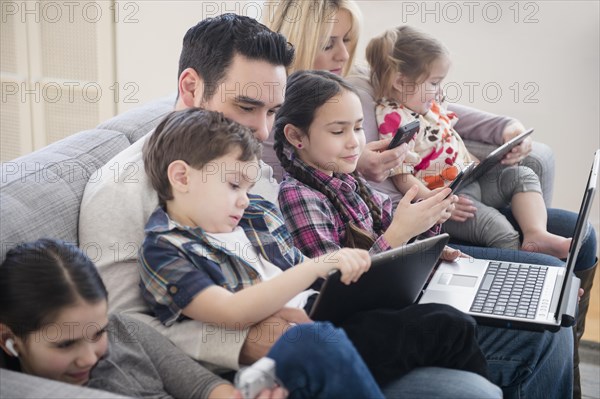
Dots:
pixel 38 279
pixel 305 92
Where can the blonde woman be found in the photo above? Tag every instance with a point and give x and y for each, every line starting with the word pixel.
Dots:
pixel 324 32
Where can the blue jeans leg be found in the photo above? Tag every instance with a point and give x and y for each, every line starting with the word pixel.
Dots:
pixel 529 364
pixel 441 383
pixel 317 360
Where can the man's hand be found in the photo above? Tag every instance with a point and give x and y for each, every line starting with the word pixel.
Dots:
pixel 263 335
pixel 518 153
pixel 376 161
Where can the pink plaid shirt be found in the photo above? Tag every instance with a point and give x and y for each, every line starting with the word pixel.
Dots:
pixel 314 223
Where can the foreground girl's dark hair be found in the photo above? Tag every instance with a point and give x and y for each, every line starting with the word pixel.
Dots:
pixel 38 279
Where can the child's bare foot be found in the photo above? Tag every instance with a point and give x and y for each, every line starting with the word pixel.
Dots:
pixel 547 243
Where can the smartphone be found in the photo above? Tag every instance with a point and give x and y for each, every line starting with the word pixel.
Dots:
pixel 405 133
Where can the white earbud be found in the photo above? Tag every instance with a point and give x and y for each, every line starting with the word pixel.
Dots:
pixel 10 345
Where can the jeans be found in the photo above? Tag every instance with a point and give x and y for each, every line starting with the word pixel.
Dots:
pixel 317 360
pixel 434 383
pixel 529 364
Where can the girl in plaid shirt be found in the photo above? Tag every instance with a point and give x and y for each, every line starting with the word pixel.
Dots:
pixel 326 204
pixel 318 139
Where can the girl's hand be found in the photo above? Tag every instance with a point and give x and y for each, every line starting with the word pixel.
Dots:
pixel 376 161
pixel 463 209
pixel 351 262
pixel 413 219
pixel 448 211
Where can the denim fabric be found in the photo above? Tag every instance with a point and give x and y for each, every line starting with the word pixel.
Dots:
pixel 318 360
pixel 529 364
pixel 440 383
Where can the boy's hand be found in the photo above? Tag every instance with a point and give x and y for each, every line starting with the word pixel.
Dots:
pixel 376 161
pixel 275 393
pixel 463 209
pixel 351 262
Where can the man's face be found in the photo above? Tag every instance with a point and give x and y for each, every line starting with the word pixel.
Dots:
pixel 250 94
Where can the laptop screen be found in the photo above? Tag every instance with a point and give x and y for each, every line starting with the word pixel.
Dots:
pixel 580 226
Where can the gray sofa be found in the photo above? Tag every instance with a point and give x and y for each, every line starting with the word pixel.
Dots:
pixel 40 196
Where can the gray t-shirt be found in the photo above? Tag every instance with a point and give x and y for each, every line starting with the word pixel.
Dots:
pixel 142 363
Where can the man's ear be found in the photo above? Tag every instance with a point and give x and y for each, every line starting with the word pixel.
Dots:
pixel 294 135
pixel 191 89
pixel 178 173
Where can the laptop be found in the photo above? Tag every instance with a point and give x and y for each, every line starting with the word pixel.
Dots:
pixel 475 171
pixel 395 280
pixel 514 295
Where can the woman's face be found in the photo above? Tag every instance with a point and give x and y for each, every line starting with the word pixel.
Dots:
pixel 335 55
pixel 67 349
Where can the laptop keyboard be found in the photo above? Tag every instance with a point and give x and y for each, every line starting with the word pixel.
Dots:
pixel 510 290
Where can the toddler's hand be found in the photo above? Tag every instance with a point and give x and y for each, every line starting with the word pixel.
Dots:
pixel 351 262
pixel 463 209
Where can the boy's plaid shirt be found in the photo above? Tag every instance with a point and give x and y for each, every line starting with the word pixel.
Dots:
pixel 177 262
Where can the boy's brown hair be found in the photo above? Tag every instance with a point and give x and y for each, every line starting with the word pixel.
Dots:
pixel 195 136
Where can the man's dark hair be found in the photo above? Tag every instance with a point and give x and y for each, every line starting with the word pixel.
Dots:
pixel 209 47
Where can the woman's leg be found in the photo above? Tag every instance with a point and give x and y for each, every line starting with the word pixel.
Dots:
pixel 317 360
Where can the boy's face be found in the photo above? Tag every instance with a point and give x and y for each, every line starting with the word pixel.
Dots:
pixel 250 94
pixel 218 193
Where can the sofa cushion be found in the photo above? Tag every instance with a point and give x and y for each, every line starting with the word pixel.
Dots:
pixel 40 193
pixel 138 121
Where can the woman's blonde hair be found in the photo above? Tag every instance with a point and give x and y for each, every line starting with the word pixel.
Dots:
pixel 405 50
pixel 307 24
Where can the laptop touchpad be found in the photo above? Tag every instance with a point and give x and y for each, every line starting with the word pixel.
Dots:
pixel 460 280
